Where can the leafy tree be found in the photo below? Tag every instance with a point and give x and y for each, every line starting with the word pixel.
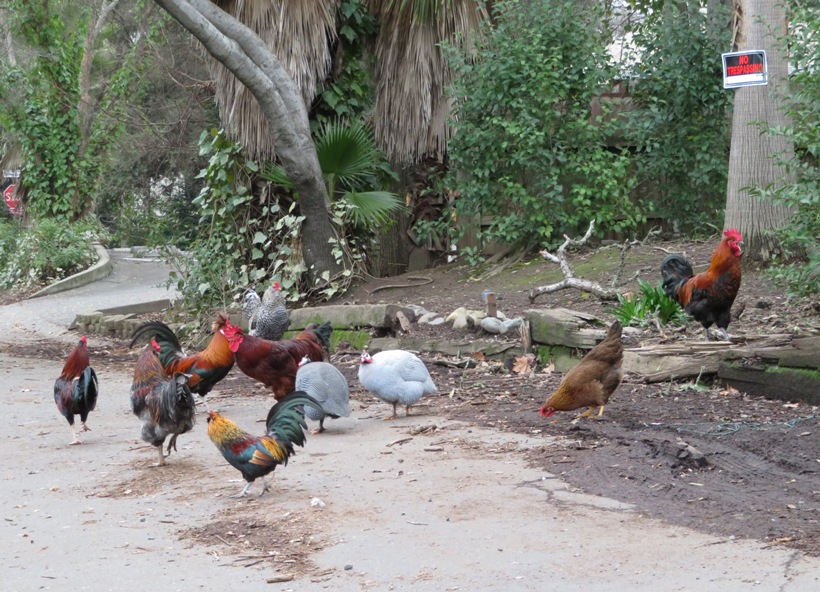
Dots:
pixel 526 148
pixel 62 112
pixel 799 264
pixel 679 124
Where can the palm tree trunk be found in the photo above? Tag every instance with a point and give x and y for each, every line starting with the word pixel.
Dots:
pixel 754 161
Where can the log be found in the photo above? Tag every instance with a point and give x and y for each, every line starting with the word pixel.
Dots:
pixel 659 363
pixel 773 382
pixel 561 326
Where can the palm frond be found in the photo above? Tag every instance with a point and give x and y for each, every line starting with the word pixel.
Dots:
pixel 298 33
pixel 372 207
pixel 411 110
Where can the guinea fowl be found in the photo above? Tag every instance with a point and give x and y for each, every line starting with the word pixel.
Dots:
pixel 323 382
pixel 267 317
pixel 397 377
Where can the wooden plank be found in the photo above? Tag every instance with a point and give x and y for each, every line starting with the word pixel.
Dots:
pixel 773 382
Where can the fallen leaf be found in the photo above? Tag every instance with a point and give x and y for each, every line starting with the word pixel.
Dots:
pixel 549 368
pixel 521 365
pixel 730 390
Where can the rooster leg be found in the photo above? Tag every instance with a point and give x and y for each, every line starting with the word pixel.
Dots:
pixel 392 416
pixel 587 413
pixel 76 440
pixel 161 462
pixel 172 443
pixel 85 428
pixel 407 411
pixel 265 486
pixel 244 490
pixel 600 411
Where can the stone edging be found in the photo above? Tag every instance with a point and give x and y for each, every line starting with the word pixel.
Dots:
pixel 96 272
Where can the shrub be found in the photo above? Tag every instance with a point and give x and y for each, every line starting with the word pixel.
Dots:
pixel 651 305
pixel 46 251
pixel 525 147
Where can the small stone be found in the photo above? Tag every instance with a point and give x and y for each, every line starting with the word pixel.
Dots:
pixel 348 567
pixel 437 321
pixel 493 325
pixel 427 318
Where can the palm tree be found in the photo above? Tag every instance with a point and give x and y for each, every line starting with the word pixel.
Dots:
pixel 353 169
pixel 411 114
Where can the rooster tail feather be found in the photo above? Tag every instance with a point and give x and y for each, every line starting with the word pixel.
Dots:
pixel 323 333
pixel 176 399
pixel 86 390
pixel 167 340
pixel 286 419
pixel 675 270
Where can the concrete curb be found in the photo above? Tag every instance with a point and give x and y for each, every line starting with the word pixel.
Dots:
pixel 102 268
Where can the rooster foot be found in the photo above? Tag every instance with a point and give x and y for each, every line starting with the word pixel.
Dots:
pixel 74 442
pixel 315 431
pixel 172 443
pixel 390 418
pixel 85 428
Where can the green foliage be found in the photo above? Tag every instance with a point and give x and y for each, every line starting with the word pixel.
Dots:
pixel 525 148
pixel 353 168
pixel 347 94
pixel 651 305
pixel 47 251
pixel 64 149
pixel 798 266
pixel 680 124
pixel 237 238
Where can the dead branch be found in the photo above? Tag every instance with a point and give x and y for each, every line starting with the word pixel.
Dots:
pixel 570 281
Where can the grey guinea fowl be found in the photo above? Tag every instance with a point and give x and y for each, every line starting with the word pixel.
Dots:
pixel 396 377
pixel 271 318
pixel 323 382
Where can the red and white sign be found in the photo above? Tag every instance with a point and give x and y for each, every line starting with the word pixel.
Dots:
pixel 745 68
pixel 11 200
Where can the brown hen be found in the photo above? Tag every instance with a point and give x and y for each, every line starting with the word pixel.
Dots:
pixel 592 382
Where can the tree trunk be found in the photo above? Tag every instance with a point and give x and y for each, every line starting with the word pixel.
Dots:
pixel 755 154
pixel 242 52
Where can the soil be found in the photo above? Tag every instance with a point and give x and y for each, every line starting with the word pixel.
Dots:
pixel 755 477
pixel 760 475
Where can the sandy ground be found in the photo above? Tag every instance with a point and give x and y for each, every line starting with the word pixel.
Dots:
pixel 450 508
pixel 421 503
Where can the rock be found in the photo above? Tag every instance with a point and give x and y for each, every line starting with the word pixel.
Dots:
pixel 493 325
pixel 511 324
pixel 460 311
pixel 427 318
pixel 437 321
pixel 460 322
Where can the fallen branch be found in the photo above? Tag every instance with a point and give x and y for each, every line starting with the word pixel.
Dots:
pixel 570 281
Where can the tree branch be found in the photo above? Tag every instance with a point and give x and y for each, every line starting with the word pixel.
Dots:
pixel 570 281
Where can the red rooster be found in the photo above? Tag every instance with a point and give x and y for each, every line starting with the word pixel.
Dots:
pixel 275 363
pixel 707 296
pixel 75 391
pixel 205 368
pixel 164 405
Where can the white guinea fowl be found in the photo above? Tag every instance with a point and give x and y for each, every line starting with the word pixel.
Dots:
pixel 397 377
pixel 323 382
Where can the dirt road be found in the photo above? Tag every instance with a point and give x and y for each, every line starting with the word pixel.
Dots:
pixel 396 506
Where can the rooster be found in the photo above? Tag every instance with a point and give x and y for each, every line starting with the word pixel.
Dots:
pixel 256 456
pixel 275 363
pixel 164 405
pixel 267 318
pixel 75 391
pixel 707 296
pixel 593 380
pixel 204 369
pixel 397 377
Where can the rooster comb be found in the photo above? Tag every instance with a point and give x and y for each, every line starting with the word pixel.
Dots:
pixel 733 234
